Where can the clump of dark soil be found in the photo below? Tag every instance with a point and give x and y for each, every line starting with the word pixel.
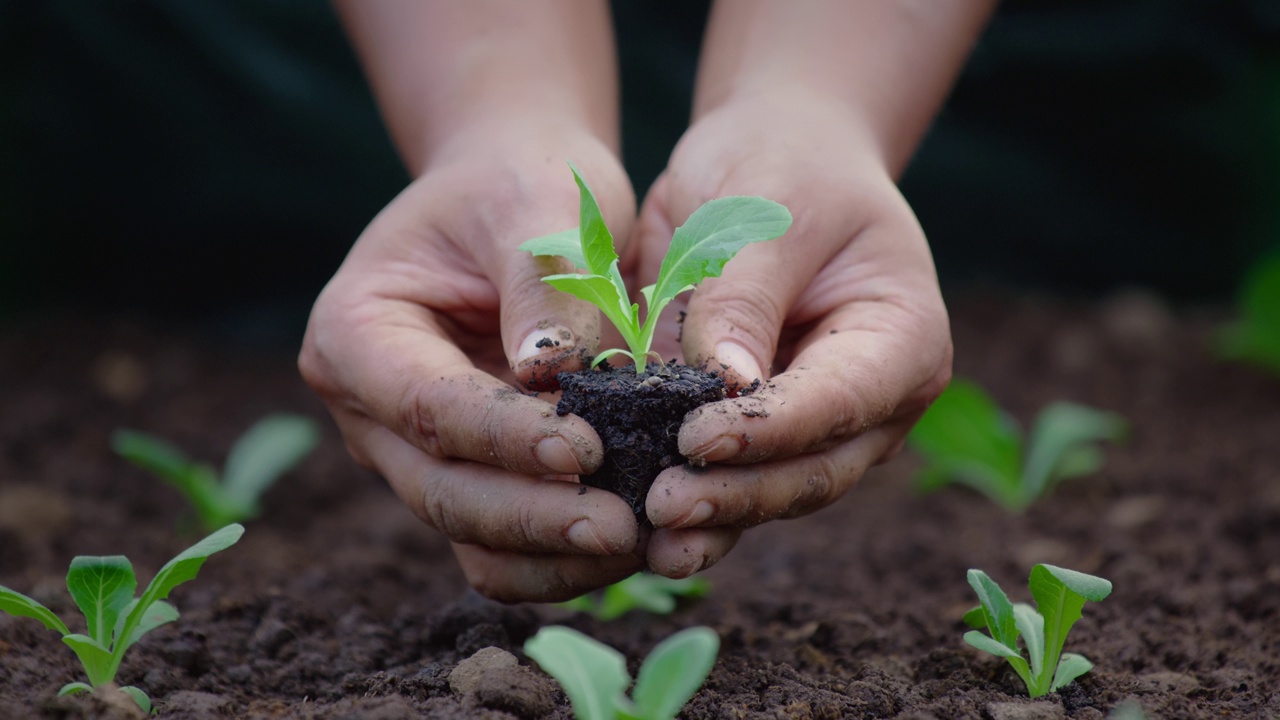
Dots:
pixel 638 419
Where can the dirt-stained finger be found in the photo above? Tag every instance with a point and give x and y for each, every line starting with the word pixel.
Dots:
pixel 501 510
pixel 512 577
pixel 681 553
pixel 748 495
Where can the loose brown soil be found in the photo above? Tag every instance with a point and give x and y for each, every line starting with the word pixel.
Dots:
pixel 339 604
pixel 638 420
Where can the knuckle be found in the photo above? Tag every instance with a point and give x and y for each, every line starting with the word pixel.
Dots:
pixel 417 418
pixel 435 508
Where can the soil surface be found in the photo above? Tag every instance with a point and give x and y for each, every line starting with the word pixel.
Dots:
pixel 638 420
pixel 339 604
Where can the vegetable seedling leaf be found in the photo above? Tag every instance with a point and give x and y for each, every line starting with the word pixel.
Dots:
pixel 712 235
pixel 1070 667
pixel 997 611
pixel 674 671
pixel 592 674
pixel 271 447
pixel 94 656
pixel 19 605
pixel 1255 336
pixel 565 244
pixel 965 438
pixel 1060 440
pixel 72 688
pixel 101 587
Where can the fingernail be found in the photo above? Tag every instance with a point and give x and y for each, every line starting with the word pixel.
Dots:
pixel 739 359
pixel 584 535
pixel 556 454
pixel 701 512
pixel 544 342
pixel 722 448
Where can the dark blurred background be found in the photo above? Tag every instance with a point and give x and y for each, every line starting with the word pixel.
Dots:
pixel 210 162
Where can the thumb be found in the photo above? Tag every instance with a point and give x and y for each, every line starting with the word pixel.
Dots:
pixel 734 321
pixel 546 331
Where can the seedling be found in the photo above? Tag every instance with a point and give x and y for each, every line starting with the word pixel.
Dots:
pixel 595 678
pixel 1059 594
pixel 967 439
pixel 642 591
pixel 1255 336
pixel 103 587
pixel 699 249
pixel 269 449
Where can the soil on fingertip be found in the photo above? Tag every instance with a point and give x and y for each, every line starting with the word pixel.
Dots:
pixel 638 419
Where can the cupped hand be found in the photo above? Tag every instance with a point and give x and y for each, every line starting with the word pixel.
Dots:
pixel 841 319
pixel 416 342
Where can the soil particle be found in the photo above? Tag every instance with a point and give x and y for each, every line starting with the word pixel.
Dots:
pixel 494 679
pixel 1036 710
pixel 638 420
pixel 195 705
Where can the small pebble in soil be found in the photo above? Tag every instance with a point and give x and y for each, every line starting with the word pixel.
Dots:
pixel 493 678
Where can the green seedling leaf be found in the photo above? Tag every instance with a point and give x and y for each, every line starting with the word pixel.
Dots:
pixel 19 605
pixel 101 588
pixel 673 672
pixel 139 697
pixel 997 611
pixel 592 674
pixel 643 591
pixel 1060 444
pixel 1070 667
pixel 976 618
pixel 965 438
pixel 1030 626
pixel 566 244
pixel 1255 336
pixel 94 656
pixel 72 688
pixel 269 449
pixel 272 447
pixel 160 613
pixel 712 235
pixel 1059 594
pixel 699 249
pixel 197 482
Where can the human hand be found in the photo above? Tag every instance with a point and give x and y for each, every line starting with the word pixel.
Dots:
pixel 845 307
pixel 416 341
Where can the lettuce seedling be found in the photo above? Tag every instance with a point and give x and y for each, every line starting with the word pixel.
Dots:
pixel 273 446
pixel 699 249
pixel 1059 594
pixel 642 591
pixel 1255 336
pixel 595 678
pixel 103 587
pixel 966 438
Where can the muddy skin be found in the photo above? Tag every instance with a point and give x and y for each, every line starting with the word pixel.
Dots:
pixel 638 420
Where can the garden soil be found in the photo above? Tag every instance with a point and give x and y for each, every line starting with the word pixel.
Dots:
pixel 338 603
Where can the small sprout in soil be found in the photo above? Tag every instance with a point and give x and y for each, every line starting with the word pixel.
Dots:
pixel 595 678
pixel 102 587
pixel 1255 336
pixel 642 591
pixel 273 446
pixel 711 236
pixel 966 438
pixel 1060 595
